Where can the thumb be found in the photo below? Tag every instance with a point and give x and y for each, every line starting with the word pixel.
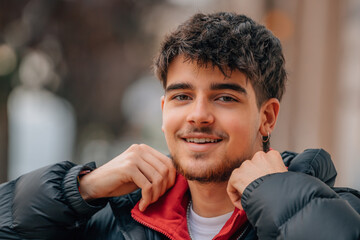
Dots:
pixel 234 196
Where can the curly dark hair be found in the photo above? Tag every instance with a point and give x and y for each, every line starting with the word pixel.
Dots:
pixel 230 42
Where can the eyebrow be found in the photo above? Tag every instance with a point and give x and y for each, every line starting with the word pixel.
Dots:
pixel 177 86
pixel 230 86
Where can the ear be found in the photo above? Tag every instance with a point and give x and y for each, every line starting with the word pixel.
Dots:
pixel 162 110
pixel 269 113
pixel 162 99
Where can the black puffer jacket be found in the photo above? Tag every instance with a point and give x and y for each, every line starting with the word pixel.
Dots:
pixel 45 204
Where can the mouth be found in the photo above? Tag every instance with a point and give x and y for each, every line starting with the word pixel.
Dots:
pixel 202 140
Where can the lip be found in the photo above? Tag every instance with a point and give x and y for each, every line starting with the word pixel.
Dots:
pixel 200 135
pixel 201 147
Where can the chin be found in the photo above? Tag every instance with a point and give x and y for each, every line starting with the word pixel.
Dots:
pixel 203 171
pixel 208 178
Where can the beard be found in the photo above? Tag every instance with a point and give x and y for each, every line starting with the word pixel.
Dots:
pixel 209 174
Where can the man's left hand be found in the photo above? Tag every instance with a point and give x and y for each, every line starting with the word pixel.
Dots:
pixel 260 165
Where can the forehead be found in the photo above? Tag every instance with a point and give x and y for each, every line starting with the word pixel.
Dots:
pixel 183 70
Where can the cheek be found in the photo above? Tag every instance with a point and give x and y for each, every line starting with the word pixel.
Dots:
pixel 238 129
pixel 165 125
pixel 170 121
pixel 241 129
pixel 236 122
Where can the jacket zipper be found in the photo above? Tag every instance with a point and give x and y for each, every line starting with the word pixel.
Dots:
pixel 242 234
pixel 152 227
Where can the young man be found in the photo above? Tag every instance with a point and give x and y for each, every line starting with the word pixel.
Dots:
pixel 223 76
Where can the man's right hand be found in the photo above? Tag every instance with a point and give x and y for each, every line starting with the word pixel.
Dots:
pixel 140 166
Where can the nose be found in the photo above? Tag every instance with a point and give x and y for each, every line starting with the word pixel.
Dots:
pixel 201 113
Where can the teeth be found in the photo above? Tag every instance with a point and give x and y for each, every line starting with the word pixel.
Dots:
pixel 202 140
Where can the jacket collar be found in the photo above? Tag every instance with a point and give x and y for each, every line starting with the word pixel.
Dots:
pixel 168 214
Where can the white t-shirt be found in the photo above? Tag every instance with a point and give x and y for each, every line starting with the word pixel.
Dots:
pixel 202 228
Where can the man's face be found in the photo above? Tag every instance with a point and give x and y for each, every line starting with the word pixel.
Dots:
pixel 211 123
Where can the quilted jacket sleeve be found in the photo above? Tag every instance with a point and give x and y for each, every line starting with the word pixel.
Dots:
pixel 300 205
pixel 44 204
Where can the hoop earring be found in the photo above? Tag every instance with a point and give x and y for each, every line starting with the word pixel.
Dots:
pixel 266 139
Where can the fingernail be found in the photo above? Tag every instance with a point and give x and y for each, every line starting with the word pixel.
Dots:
pixel 141 205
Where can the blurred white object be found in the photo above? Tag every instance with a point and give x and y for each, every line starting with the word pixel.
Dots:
pixel 41 125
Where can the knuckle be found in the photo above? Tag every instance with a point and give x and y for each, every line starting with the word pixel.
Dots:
pixel 163 190
pixel 128 164
pixel 131 156
pixel 134 151
pixel 244 164
pixel 172 176
pixel 143 146
pixel 165 171
pixel 256 154
pixel 231 178
pixel 157 181
pixel 134 147
pixel 133 164
pixel 235 171
pixel 148 188
pixel 238 172
pixel 259 154
pixel 275 153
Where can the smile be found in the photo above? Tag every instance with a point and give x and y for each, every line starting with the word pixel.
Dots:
pixel 201 140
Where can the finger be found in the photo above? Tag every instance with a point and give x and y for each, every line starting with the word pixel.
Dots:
pixel 152 165
pixel 276 161
pixel 169 171
pixel 162 157
pixel 234 196
pixel 143 182
pixel 164 167
pixel 161 169
pixel 274 156
pixel 147 189
pixel 241 177
pixel 156 172
pixel 232 190
pixel 263 162
pixel 155 179
pixel 260 158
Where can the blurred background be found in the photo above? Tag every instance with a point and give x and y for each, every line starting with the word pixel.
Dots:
pixel 76 80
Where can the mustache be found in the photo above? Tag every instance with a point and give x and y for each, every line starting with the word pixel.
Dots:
pixel 205 130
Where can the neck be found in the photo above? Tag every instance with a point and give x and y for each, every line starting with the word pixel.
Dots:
pixel 210 199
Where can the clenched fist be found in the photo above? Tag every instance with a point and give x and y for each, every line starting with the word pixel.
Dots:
pixel 260 165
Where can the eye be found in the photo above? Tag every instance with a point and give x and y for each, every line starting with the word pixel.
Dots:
pixel 182 97
pixel 227 99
